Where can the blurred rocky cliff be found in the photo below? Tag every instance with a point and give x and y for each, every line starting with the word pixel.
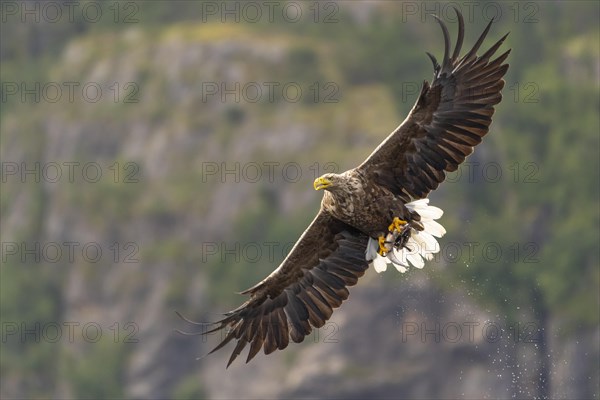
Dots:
pixel 166 166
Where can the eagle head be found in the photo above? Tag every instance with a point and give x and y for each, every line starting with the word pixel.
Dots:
pixel 328 181
pixel 336 182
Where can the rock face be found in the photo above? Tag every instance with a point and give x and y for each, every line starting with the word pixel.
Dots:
pixel 183 213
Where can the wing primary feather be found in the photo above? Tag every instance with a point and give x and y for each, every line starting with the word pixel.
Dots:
pixel 222 324
pixel 461 34
pixel 276 329
pixel 230 335
pixel 320 302
pixel 472 52
pixel 436 66
pixel 270 342
pixel 189 321
pixel 254 347
pixel 499 60
pixel 493 49
pixel 284 335
pixel 315 316
pixel 297 318
pixel 236 352
pixel 446 40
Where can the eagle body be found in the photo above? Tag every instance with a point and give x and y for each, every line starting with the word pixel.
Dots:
pixel 360 203
pixel 377 213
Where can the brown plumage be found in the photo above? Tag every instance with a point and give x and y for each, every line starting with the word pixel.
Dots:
pixel 450 117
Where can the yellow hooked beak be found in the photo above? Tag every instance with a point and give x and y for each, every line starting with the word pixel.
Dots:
pixel 321 183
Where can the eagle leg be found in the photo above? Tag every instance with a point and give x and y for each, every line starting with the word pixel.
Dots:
pixel 396 228
pixel 382 248
pixel 397 224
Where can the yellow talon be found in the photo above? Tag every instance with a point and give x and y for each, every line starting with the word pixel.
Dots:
pixel 382 250
pixel 397 224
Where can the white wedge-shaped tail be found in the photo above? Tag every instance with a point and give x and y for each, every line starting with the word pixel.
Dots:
pixel 420 246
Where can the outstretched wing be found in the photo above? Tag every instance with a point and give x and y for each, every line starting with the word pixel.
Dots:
pixel 450 117
pixel 301 293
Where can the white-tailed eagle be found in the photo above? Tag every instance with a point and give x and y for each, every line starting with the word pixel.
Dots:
pixel 378 212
